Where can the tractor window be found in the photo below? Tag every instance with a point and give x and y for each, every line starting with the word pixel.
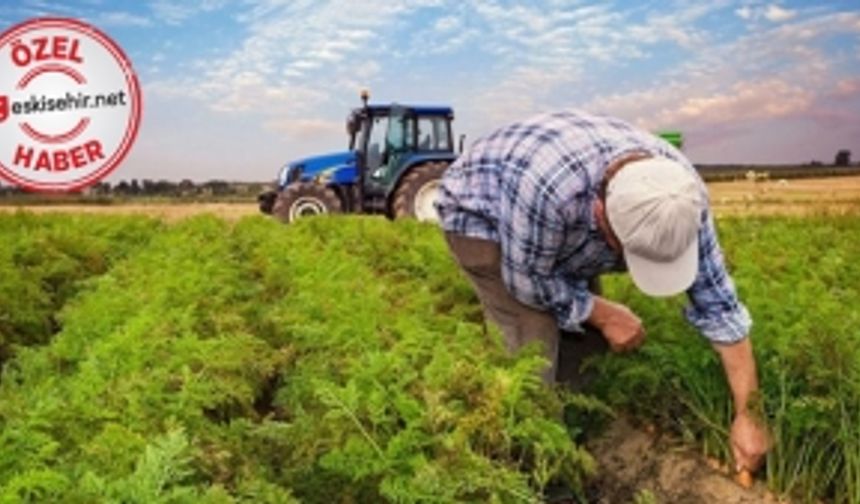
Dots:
pixel 433 134
pixel 376 142
pixel 400 132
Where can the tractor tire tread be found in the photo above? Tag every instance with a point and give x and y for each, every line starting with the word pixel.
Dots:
pixel 292 193
pixel 403 205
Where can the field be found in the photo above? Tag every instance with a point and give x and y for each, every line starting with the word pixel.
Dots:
pixel 228 358
pixel 766 197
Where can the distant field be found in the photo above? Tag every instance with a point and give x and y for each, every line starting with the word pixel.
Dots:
pixel 786 197
pixel 833 195
pixel 168 211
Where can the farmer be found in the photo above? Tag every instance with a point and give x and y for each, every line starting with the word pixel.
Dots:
pixel 537 209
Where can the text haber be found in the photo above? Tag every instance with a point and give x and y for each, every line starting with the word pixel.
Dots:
pixel 58 160
pixel 46 49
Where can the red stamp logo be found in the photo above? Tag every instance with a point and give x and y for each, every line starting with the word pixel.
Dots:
pixel 69 105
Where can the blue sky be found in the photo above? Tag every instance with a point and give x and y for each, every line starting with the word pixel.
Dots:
pixel 234 89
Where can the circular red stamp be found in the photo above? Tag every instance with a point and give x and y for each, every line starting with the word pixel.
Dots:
pixel 70 105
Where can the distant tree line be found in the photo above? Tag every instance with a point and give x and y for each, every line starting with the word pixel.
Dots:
pixel 165 188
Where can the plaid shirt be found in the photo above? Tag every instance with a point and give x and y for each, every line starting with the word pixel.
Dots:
pixel 530 186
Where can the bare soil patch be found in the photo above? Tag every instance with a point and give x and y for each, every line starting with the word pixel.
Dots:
pixel 656 468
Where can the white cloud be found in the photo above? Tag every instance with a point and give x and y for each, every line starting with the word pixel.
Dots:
pixel 777 14
pixel 554 55
pixel 447 24
pixel 749 100
pixel 775 76
pixel 175 13
pixel 302 61
pixel 771 12
pixel 121 19
pixel 297 59
pixel 746 12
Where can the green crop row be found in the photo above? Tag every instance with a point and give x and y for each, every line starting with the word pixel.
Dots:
pixel 43 262
pixel 344 360
pixel 335 360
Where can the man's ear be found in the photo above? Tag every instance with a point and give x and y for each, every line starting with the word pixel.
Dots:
pixel 602 220
pixel 599 213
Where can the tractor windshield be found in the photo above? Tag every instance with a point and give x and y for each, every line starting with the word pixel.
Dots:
pixel 375 145
pixel 400 138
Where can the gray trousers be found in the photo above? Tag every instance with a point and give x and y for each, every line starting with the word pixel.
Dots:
pixel 521 324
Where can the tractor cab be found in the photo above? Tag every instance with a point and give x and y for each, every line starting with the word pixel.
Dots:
pixel 388 140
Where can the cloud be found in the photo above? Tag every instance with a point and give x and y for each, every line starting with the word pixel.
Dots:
pixel 300 62
pixel 777 14
pixel 848 87
pixel 175 13
pixel 297 59
pixel 778 72
pixel 447 24
pixel 122 19
pixel 771 12
pixel 768 99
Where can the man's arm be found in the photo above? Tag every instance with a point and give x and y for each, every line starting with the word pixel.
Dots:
pixel 720 316
pixel 749 438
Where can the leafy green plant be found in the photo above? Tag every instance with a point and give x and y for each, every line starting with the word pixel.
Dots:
pixel 345 360
pixel 44 261
pixel 332 360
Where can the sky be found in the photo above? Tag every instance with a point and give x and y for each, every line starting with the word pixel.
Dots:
pixel 234 89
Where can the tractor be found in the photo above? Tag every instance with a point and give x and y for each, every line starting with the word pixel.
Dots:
pixel 396 156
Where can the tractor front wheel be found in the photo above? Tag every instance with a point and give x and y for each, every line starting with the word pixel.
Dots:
pixel 417 193
pixel 305 200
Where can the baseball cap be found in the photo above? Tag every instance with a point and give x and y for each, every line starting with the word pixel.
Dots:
pixel 655 206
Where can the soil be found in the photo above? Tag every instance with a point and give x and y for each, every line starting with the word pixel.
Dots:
pixel 633 462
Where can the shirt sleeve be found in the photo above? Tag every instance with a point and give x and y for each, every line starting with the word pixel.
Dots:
pixel 714 308
pixel 531 232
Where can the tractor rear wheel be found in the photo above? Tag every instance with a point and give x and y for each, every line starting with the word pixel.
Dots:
pixel 305 200
pixel 418 191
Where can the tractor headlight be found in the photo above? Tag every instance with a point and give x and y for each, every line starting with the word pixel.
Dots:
pixel 325 177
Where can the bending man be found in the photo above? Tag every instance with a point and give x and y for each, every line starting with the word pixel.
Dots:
pixel 536 209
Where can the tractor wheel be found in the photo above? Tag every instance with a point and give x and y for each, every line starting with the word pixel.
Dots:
pixel 418 191
pixel 304 200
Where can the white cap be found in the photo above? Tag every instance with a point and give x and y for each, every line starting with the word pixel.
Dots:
pixel 655 206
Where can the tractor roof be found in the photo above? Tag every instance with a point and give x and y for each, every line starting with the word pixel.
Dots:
pixel 418 109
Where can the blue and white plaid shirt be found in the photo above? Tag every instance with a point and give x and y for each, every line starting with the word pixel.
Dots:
pixel 530 186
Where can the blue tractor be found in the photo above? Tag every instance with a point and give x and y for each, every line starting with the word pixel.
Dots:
pixel 396 156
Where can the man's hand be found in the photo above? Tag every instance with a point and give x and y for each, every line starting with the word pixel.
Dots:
pixel 750 442
pixel 620 326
